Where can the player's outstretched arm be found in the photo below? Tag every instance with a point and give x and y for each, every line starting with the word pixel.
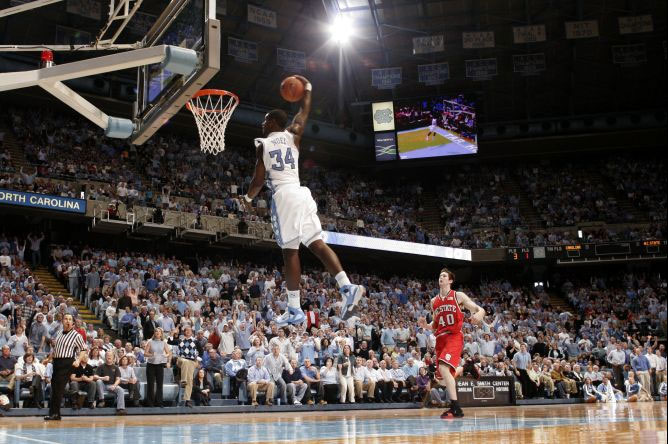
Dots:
pixel 299 122
pixel 477 312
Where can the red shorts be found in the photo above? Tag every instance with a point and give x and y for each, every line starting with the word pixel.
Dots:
pixel 449 348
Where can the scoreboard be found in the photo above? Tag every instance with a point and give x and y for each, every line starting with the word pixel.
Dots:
pixel 590 252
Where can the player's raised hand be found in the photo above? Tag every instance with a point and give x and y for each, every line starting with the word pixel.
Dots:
pixel 422 322
pixel 302 78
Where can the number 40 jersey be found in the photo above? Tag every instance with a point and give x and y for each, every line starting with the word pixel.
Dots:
pixel 294 217
pixel 448 317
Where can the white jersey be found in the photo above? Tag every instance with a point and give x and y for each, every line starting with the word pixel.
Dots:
pixel 281 159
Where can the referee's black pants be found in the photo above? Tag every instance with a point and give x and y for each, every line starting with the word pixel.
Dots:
pixel 62 369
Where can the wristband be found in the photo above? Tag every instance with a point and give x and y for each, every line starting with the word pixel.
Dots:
pixel 247 199
pixel 308 86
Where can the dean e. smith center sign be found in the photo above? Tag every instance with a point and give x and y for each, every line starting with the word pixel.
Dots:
pixel 43 201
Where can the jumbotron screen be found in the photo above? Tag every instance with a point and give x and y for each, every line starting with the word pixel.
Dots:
pixel 436 127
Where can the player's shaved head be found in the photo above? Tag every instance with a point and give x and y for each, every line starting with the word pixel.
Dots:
pixel 279 117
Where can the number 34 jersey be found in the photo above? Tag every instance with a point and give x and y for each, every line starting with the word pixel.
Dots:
pixel 294 217
pixel 281 159
pixel 448 317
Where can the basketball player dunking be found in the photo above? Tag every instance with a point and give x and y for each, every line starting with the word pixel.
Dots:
pixel 294 215
pixel 447 327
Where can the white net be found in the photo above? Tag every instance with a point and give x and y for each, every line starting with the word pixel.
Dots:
pixel 212 110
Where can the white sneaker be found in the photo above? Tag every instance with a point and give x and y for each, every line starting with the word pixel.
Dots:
pixel 297 403
pixel 291 316
pixel 352 294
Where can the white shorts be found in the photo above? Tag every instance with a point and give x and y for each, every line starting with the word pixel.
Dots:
pixel 294 217
pixel 432 129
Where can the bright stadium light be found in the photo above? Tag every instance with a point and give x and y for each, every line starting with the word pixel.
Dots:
pixel 341 29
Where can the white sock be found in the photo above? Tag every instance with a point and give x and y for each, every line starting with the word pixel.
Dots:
pixel 293 299
pixel 342 279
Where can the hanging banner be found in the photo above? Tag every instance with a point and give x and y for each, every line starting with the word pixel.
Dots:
pixel 242 50
pixel 529 64
pixel 291 60
pixel 636 24
pixel 529 34
pixel 426 45
pixel 434 73
pixel 386 78
pixel 141 23
pixel 629 54
pixel 85 8
pixel 581 30
pixel 481 69
pixel 262 16
pixel 478 39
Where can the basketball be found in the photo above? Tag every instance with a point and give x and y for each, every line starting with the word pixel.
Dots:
pixel 292 89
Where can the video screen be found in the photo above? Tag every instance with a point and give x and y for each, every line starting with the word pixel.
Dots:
pixel 386 146
pixel 436 127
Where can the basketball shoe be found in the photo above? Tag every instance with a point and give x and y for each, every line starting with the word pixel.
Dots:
pixel 291 316
pixel 352 294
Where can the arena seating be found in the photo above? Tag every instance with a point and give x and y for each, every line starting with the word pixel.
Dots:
pixel 581 329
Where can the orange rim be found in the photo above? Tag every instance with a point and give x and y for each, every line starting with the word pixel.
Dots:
pixel 210 92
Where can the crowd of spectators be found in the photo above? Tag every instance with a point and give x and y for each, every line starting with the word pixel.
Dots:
pixel 565 195
pixel 476 208
pixel 215 323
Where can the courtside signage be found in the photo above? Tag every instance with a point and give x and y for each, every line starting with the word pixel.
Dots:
pixel 43 201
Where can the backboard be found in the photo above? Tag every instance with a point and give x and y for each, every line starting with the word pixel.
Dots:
pixel 190 24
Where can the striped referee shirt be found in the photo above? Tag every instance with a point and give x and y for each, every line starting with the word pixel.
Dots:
pixel 68 345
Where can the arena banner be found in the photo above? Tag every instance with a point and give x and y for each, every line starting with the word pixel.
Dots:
pixel 262 16
pixel 426 45
pixel 434 73
pixel 42 201
pixel 529 34
pixel 386 78
pixel 486 391
pixel 481 69
pixel 636 24
pixel 395 246
pixel 242 50
pixel 85 8
pixel 478 39
pixel 584 29
pixel 529 64
pixel 629 54
pixel 291 60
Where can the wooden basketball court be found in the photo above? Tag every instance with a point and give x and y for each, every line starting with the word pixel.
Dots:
pixel 576 423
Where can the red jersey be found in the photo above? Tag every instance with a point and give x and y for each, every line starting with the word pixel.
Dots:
pixel 448 317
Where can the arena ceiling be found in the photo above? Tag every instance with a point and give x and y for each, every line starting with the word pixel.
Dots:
pixel 580 77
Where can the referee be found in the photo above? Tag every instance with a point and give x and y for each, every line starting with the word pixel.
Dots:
pixel 68 345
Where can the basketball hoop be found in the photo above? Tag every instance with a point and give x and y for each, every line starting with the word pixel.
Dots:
pixel 212 109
